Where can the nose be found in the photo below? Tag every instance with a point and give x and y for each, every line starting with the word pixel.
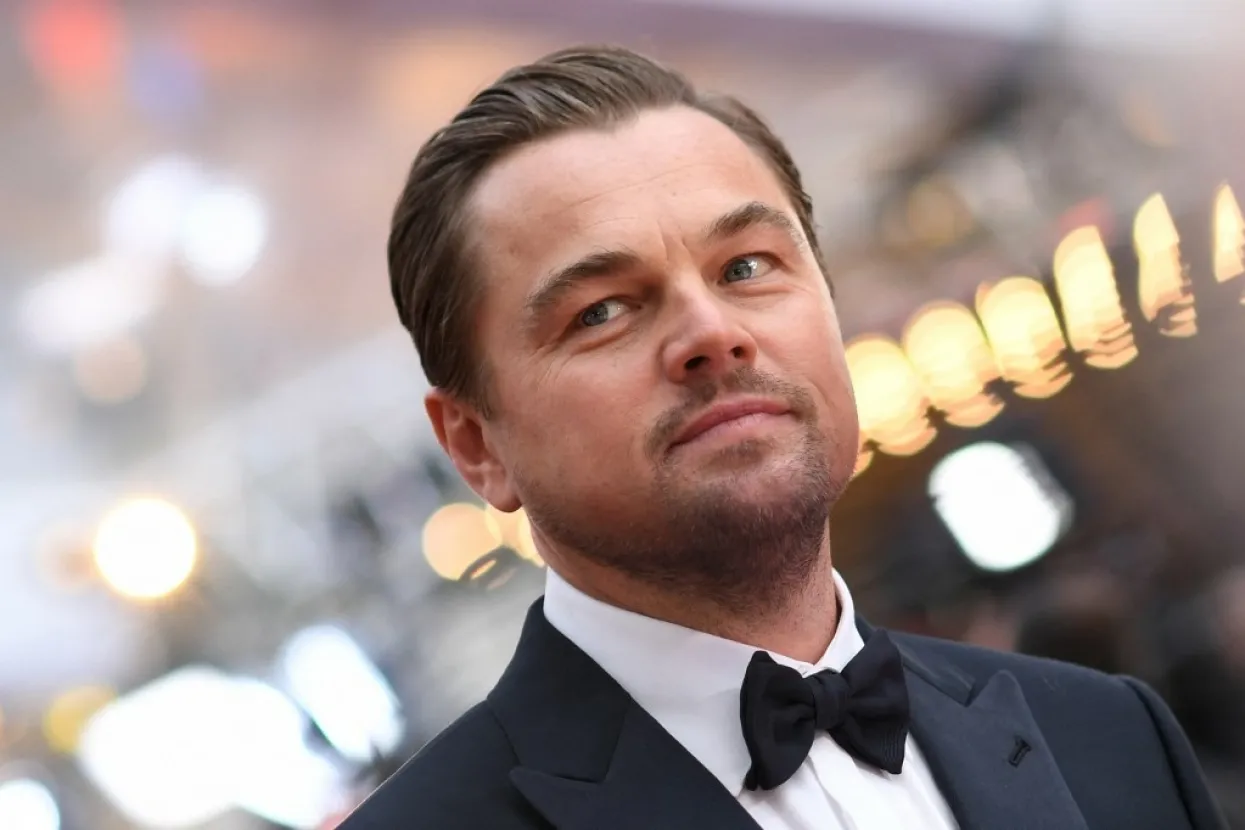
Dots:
pixel 708 342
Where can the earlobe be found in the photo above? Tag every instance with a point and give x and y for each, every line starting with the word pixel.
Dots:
pixel 463 434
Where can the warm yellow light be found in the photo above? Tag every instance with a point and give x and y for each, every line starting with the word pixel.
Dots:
pixel 1024 334
pixel 1229 236
pixel 1085 280
pixel 455 537
pixel 513 530
pixel 893 406
pixel 69 713
pixel 947 348
pixel 1163 286
pixel 145 548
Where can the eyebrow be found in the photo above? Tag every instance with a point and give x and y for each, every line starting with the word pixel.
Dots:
pixel 754 215
pixel 607 263
pixel 598 264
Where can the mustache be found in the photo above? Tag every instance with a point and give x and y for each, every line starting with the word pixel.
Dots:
pixel 745 380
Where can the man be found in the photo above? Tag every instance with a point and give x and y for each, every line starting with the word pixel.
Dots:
pixel 616 291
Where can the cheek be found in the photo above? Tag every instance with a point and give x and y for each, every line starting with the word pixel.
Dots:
pixel 581 416
pixel 811 346
pixel 809 350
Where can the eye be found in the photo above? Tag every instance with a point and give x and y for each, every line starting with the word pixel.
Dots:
pixel 598 314
pixel 744 268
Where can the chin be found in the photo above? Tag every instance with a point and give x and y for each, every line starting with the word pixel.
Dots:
pixel 762 479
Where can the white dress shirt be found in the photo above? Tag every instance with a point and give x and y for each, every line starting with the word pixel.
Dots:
pixel 689 682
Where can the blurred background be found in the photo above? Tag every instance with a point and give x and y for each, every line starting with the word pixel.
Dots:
pixel 238 580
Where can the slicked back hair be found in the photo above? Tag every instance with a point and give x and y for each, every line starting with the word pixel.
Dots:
pixel 434 278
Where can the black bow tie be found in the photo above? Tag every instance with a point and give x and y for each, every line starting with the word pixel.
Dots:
pixel 864 708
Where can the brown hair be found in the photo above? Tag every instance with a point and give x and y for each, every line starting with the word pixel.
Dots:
pixel 434 282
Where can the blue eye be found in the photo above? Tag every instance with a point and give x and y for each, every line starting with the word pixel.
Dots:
pixel 742 268
pixel 598 314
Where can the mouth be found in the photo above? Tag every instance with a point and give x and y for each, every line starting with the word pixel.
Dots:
pixel 735 418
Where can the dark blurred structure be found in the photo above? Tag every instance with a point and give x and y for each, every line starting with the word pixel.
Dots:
pixel 1081 619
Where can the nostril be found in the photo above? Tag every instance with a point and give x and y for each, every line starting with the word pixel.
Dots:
pixel 695 362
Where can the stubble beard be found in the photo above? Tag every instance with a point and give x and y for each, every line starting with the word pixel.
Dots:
pixel 705 537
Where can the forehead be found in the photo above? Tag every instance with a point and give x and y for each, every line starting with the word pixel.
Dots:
pixel 667 172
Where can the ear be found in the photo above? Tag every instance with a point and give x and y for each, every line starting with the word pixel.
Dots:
pixel 464 435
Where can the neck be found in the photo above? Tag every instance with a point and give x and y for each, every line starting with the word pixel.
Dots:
pixel 798 623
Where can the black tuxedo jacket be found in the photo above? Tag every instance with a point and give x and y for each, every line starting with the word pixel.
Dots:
pixel 1015 743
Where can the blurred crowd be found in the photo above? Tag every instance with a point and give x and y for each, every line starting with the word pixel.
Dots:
pixel 1188 646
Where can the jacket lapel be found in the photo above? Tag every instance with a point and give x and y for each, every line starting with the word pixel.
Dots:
pixel 590 758
pixel 985 750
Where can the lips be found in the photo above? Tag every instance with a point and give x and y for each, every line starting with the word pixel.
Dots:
pixel 726 412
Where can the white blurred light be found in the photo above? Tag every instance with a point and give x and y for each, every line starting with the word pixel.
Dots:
pixel 223 234
pixel 276 776
pixel 158 753
pixel 343 691
pixel 196 743
pixel 145 548
pixel 171 207
pixel 1000 504
pixel 88 303
pixel 27 805
pixel 145 216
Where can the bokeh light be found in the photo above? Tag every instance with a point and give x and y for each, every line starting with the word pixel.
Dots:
pixel 196 743
pixel 333 679
pixel 1229 236
pixel 1085 280
pixel 893 406
pixel 89 303
pixel 26 804
pixel 145 548
pixel 77 46
pixel 69 713
pixel 146 214
pixel 1163 286
pixel 1002 509
pixel 223 234
pixel 1024 336
pixel 456 537
pixel 947 348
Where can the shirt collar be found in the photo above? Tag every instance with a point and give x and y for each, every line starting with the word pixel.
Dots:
pixel 688 680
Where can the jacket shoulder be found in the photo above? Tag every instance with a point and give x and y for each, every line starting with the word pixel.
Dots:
pixel 459 781
pixel 1044 676
pixel 1112 736
pixel 1063 697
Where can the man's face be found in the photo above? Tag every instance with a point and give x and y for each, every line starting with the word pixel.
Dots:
pixel 640 285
